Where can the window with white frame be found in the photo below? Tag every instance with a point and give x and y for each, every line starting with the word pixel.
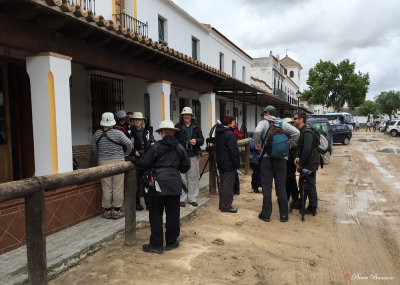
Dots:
pixel 221 61
pixel 195 48
pixel 162 30
pixel 243 74
pixel 233 69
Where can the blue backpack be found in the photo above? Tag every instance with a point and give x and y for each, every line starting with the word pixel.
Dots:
pixel 276 143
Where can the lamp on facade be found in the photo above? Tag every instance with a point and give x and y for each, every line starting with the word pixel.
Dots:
pixel 298 95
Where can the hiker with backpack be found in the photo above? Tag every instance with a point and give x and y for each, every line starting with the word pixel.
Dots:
pixel 308 157
pixel 277 136
pixel 108 145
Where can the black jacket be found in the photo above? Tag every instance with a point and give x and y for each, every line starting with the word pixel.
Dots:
pixel 196 134
pixel 307 148
pixel 167 158
pixel 227 151
pixel 137 146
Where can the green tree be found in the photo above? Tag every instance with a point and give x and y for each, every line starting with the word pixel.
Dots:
pixel 369 108
pixel 334 85
pixel 388 102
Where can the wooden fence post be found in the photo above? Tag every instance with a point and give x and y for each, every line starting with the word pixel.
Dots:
pixel 247 159
pixel 36 238
pixel 130 206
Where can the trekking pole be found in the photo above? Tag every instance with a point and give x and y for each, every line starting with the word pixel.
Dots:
pixel 302 199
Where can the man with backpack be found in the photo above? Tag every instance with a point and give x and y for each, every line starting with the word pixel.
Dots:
pixel 308 157
pixel 277 135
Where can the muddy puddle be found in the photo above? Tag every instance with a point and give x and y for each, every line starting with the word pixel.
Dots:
pixel 390 150
pixel 368 140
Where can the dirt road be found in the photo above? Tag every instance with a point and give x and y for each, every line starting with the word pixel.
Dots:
pixel 354 239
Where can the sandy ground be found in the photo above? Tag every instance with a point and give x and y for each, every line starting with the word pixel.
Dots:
pixel 354 239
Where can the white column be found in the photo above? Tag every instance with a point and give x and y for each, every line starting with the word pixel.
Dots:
pixel 159 93
pixel 51 112
pixel 208 119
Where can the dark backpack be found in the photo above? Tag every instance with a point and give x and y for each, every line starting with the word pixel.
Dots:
pixel 276 142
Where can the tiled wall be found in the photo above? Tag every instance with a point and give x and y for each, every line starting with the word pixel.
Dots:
pixel 64 208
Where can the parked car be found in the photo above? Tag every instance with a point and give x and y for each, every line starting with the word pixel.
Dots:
pixel 381 126
pixel 323 124
pixel 386 125
pixel 393 128
pixel 341 133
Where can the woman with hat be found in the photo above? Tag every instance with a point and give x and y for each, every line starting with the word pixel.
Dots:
pixel 140 138
pixel 108 145
pixel 167 159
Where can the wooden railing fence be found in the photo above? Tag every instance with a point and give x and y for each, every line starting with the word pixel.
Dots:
pixel 33 190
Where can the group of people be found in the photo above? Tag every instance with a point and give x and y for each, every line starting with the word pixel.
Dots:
pixel 174 165
pixel 173 161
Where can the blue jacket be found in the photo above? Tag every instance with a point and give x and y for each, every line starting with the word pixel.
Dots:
pixel 255 153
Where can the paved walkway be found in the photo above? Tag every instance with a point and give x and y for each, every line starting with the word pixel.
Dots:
pixel 66 248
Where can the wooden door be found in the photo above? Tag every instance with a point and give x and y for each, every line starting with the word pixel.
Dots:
pixel 6 170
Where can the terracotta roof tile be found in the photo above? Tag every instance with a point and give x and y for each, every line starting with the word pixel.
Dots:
pixel 287 61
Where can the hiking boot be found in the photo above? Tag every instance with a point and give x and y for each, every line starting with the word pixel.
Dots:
pixel 295 204
pixel 230 210
pixel 139 207
pixel 182 204
pixel 151 248
pixel 117 214
pixel 256 190
pixel 195 204
pixel 107 214
pixel 169 247
pixel 284 219
pixel 265 219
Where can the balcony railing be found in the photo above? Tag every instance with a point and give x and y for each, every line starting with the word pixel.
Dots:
pixel 85 4
pixel 280 94
pixel 133 24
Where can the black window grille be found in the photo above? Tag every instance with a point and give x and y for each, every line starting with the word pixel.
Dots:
pixel 107 95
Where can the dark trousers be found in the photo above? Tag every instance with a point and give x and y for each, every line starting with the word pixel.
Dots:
pixel 274 169
pixel 236 185
pixel 310 189
pixel 255 177
pixel 227 180
pixel 172 212
pixel 291 183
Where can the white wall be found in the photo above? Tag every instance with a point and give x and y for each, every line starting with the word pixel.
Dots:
pixel 81 111
pixel 104 8
pixel 180 28
pixel 219 45
pixel 134 90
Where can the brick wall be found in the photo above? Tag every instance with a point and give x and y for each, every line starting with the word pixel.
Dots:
pixel 84 157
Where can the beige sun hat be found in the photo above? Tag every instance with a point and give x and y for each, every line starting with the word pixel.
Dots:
pixel 166 124
pixel 187 111
pixel 137 115
pixel 287 120
pixel 107 120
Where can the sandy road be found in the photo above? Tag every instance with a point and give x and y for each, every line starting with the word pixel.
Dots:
pixel 354 239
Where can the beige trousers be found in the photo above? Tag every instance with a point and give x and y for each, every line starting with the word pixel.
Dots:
pixel 113 188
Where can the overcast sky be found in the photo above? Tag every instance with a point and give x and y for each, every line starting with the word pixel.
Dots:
pixel 364 31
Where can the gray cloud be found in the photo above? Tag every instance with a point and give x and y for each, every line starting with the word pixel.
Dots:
pixel 366 32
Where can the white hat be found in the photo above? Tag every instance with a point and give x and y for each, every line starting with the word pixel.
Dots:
pixel 287 120
pixel 187 111
pixel 167 124
pixel 120 114
pixel 107 119
pixel 137 115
